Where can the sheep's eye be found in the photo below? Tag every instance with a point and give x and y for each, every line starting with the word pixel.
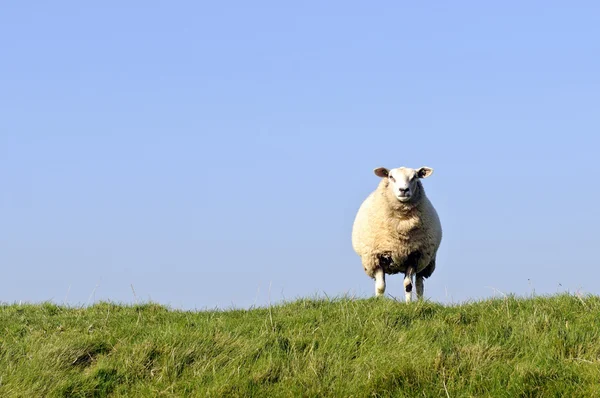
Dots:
pixel 392 178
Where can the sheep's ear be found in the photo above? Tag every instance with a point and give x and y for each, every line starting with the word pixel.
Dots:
pixel 424 172
pixel 381 172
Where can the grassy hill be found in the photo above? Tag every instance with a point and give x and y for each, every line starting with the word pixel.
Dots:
pixel 543 346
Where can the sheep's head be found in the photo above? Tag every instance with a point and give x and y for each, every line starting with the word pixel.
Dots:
pixel 403 183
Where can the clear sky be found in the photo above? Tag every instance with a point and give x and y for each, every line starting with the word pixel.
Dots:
pixel 208 152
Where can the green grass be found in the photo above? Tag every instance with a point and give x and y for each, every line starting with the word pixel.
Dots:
pixel 543 346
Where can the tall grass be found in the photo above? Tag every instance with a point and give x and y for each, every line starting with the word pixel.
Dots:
pixel 542 346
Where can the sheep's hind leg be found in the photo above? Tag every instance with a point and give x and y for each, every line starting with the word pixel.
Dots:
pixel 408 284
pixel 421 275
pixel 419 283
pixel 379 282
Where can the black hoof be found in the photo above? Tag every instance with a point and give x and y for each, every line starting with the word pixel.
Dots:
pixel 408 288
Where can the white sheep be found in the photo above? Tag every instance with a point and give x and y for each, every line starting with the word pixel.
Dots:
pixel 398 230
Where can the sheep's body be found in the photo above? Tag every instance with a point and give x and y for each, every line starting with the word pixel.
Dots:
pixel 392 236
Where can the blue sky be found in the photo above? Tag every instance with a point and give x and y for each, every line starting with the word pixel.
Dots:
pixel 215 153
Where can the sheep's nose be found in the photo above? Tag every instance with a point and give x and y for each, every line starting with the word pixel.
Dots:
pixel 404 190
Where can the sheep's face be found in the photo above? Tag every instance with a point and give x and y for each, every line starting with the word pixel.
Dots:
pixel 403 182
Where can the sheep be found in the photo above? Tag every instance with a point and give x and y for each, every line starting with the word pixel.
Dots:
pixel 398 230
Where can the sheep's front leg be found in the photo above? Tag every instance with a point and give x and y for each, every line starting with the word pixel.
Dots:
pixel 379 282
pixel 408 284
pixel 419 283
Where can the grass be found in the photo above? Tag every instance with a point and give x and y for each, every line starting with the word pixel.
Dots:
pixel 542 346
